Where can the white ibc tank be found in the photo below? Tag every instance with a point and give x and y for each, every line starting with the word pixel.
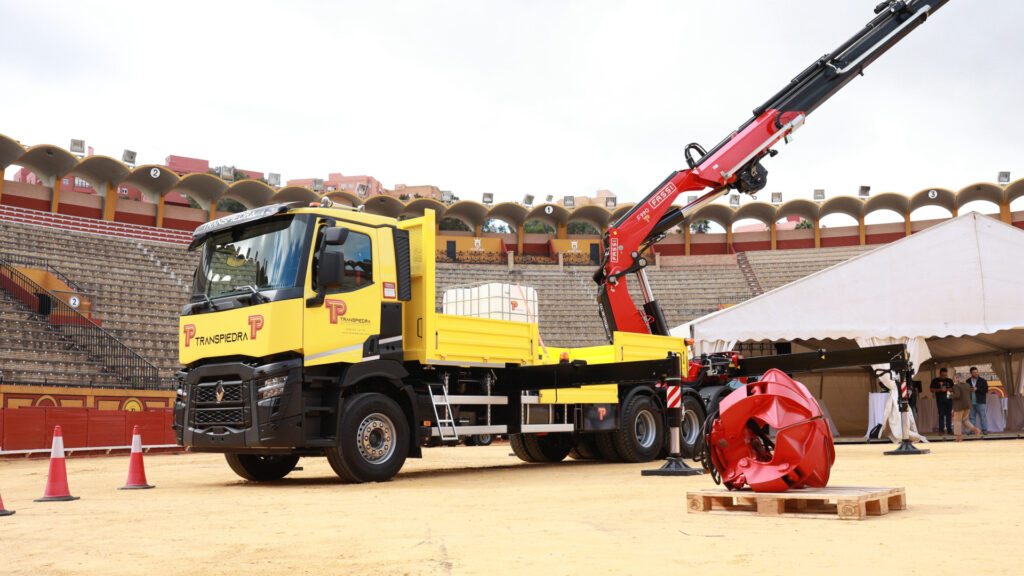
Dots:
pixel 492 300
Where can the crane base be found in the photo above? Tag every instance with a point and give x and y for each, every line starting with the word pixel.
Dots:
pixel 673 466
pixel 906 447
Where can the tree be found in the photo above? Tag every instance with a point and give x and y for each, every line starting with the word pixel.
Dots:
pixel 580 227
pixel 804 225
pixel 700 226
pixel 537 227
pixel 451 224
pixel 496 226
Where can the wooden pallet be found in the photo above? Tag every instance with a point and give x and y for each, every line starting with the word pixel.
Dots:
pixel 837 502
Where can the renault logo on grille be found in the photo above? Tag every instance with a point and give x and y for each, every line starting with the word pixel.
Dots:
pixel 220 391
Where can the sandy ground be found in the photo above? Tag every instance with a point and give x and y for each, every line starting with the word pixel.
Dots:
pixel 480 511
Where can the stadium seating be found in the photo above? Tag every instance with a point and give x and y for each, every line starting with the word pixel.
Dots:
pixel 778 268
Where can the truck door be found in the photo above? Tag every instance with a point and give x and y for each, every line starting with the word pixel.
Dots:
pixel 342 324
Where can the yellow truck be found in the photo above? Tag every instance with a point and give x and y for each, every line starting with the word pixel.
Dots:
pixel 312 331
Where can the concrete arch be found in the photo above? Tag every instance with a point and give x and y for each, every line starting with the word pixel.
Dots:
pixel 345 197
pixel 1014 190
pixel 294 194
pixel 384 205
pixel 47 162
pixel 205 189
pixel 10 150
pixel 99 171
pixel 980 191
pixel 593 214
pixel 800 207
pixel 760 211
pixel 153 181
pixel 843 205
pixel 556 217
pixel 250 193
pixel 898 203
pixel 418 206
pixel 620 211
pixel 514 214
pixel 718 213
pixel 944 198
pixel 468 212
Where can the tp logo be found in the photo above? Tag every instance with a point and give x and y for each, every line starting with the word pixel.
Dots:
pixel 255 325
pixel 601 412
pixel 337 308
pixel 190 333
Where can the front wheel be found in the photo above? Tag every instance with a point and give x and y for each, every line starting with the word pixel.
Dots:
pixel 261 468
pixel 641 431
pixel 373 439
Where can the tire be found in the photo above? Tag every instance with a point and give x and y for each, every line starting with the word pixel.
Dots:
pixel 606 447
pixel 549 447
pixel 480 440
pixel 259 468
pixel 585 449
pixel 518 444
pixel 546 448
pixel 641 432
pixel 372 441
pixel 693 421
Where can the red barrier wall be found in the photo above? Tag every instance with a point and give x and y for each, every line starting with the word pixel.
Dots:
pixel 32 428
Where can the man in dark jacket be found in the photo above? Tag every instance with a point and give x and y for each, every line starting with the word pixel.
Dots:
pixel 940 388
pixel 962 397
pixel 979 400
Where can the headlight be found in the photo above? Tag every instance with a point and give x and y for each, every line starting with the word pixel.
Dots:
pixel 182 394
pixel 271 387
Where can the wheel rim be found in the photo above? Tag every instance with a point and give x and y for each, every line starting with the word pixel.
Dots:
pixel 645 429
pixel 376 438
pixel 690 427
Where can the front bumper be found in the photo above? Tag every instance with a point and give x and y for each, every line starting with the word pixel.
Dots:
pixel 217 408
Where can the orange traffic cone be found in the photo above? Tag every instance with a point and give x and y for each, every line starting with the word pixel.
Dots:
pixel 136 469
pixel 57 479
pixel 4 512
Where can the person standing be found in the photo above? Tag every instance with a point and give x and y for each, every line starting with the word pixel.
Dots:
pixel 979 400
pixel 962 397
pixel 941 388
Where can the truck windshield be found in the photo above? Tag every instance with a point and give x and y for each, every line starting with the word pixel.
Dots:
pixel 264 255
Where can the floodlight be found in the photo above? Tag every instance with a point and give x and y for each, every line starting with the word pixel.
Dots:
pixel 488 198
pixel 819 195
pixel 446 196
pixel 610 202
pixel 864 192
pixel 549 198
pixel 528 200
pixel 318 185
pixel 569 201
pixel 776 198
pixel 77 146
pixel 734 200
pixel 1004 178
pixel 691 199
pixel 227 173
pixel 128 157
pixel 274 179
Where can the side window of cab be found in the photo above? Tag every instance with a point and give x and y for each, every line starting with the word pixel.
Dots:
pixel 357 251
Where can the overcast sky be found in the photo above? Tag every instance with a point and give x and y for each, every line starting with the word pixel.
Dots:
pixel 539 97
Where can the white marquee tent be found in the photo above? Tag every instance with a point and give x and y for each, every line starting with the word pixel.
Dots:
pixel 952 292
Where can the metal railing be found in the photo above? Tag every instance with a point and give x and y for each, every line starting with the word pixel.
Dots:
pixel 41 263
pixel 70 325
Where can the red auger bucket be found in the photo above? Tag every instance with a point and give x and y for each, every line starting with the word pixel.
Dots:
pixel 743 452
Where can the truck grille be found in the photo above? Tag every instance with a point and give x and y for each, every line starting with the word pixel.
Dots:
pixel 233 417
pixel 220 403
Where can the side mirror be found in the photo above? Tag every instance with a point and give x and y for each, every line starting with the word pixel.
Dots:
pixel 335 236
pixel 332 267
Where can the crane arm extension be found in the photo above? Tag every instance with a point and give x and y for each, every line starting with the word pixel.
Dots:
pixel 735 162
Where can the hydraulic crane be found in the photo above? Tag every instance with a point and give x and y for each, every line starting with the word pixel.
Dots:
pixel 735 163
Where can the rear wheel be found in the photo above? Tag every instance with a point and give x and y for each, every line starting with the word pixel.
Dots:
pixel 479 440
pixel 693 421
pixel 641 431
pixel 261 468
pixel 518 444
pixel 585 449
pixel 541 448
pixel 373 439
